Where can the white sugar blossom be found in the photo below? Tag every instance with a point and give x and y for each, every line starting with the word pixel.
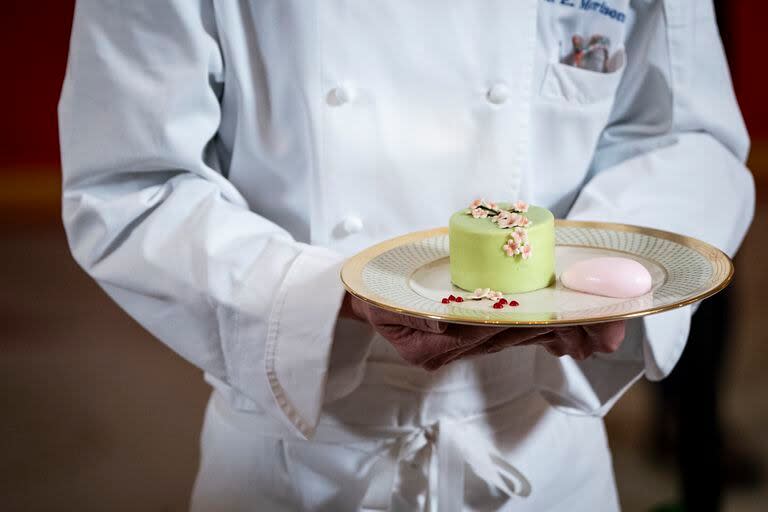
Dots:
pixel 485 293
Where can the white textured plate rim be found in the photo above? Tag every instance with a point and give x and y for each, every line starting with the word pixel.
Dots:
pixel 721 266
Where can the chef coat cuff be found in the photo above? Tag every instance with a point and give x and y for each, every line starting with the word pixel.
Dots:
pixel 652 346
pixel 300 335
pixel 665 337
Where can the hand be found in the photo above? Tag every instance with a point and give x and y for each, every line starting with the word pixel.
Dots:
pixel 580 342
pixel 432 344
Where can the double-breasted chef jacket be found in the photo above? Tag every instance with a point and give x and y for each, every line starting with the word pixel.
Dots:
pixel 222 158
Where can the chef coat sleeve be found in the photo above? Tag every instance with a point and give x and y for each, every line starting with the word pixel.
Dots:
pixel 151 216
pixel 672 157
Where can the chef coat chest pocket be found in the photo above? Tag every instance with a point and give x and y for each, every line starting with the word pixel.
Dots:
pixel 573 104
pixel 572 110
pixel 583 43
pixel 570 84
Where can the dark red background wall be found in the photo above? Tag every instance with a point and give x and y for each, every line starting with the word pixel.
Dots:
pixel 35 37
pixel 746 34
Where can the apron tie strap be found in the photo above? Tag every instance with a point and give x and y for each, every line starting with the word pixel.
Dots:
pixel 450 445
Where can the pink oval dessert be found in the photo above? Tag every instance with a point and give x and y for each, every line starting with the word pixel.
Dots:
pixel 608 276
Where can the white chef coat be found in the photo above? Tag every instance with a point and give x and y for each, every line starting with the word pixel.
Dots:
pixel 221 159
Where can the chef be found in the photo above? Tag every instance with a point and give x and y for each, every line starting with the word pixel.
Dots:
pixel 222 158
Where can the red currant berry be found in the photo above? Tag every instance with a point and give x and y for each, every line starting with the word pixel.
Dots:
pixel 459 299
pixel 502 301
pixel 445 301
pixel 498 305
pixel 514 303
pixel 451 298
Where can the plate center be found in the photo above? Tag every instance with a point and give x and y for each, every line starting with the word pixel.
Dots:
pixel 432 281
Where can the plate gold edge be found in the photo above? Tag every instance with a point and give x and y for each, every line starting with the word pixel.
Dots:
pixel 351 276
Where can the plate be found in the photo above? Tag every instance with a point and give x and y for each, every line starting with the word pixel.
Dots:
pixel 410 275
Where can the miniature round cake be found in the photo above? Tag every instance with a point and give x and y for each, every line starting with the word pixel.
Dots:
pixel 507 247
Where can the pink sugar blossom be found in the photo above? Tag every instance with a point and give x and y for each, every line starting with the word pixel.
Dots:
pixel 475 204
pixel 522 221
pixel 492 206
pixel 526 252
pixel 506 219
pixel 494 295
pixel 520 235
pixel 520 206
pixel 512 247
pixel 479 213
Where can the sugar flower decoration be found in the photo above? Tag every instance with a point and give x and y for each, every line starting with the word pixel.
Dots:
pixel 522 221
pixel 485 293
pixel 509 218
pixel 479 213
pixel 519 235
pixel 480 209
pixel 512 248
pixel 506 219
pixel 518 244
pixel 520 206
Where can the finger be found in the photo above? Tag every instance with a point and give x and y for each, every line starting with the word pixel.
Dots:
pixel 606 337
pixel 379 316
pixel 502 342
pixel 572 341
pixel 465 336
pixel 569 335
pixel 426 324
pixel 505 339
pixel 441 360
pixel 556 348
pixel 470 340
pixel 541 339
pixel 418 347
pixel 576 351
pixel 577 344
pixel 523 336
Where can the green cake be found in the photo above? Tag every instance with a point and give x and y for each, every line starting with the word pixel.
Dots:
pixel 509 247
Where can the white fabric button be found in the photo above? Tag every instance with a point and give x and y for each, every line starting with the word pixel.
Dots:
pixel 498 94
pixel 341 95
pixel 352 224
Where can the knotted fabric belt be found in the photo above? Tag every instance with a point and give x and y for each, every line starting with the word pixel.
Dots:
pixel 450 445
pixel 446 447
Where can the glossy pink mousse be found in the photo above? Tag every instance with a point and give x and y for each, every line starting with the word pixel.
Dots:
pixel 608 276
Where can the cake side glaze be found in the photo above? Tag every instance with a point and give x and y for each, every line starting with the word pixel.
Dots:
pixel 478 259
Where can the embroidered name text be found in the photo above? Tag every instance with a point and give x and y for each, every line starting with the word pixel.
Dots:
pixel 591 5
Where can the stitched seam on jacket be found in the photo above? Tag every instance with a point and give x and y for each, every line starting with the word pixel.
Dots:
pixel 273 333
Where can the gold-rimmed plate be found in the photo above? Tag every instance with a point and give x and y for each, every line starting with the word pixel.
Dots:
pixel 410 275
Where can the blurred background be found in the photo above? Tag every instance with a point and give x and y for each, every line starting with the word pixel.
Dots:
pixel 97 415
